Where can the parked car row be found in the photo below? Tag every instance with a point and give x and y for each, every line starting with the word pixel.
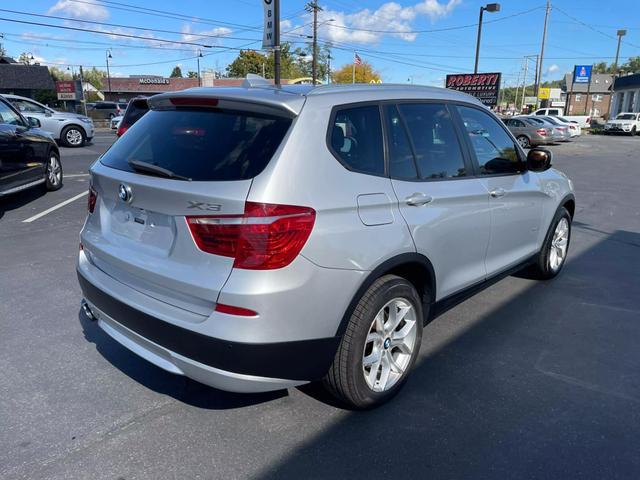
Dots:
pixel 534 130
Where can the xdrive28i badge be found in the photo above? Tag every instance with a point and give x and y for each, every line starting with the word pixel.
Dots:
pixel 124 193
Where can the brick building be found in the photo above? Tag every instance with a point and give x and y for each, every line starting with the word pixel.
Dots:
pixel 585 99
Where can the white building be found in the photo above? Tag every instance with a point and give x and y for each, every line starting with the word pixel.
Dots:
pixel 626 96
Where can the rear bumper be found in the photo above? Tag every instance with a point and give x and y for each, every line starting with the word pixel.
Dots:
pixel 224 364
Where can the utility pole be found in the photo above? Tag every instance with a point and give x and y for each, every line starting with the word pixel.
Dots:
pixel 84 100
pixel 276 42
pixel 524 82
pixel 540 60
pixel 313 7
pixel 329 68
pixel 199 55
pixel 621 33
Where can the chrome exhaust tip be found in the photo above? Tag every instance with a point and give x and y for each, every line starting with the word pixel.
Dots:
pixel 87 310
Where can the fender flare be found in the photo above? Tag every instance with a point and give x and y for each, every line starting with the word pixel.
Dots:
pixel 384 267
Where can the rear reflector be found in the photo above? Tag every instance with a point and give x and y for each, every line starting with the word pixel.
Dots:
pixel 91 201
pixel 239 311
pixel 265 237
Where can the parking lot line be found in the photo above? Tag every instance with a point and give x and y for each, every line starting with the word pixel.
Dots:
pixel 55 207
pixel 74 175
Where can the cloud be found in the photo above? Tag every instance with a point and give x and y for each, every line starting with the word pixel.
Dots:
pixel 87 10
pixel 205 36
pixel 553 68
pixel 369 26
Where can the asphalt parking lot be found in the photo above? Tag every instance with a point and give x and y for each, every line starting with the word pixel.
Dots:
pixel 524 380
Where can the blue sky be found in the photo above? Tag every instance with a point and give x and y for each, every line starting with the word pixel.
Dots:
pixel 384 33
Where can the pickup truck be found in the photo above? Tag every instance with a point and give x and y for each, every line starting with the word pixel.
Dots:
pixel 583 120
pixel 625 122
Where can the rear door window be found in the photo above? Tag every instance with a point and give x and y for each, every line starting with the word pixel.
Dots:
pixel 435 144
pixel 356 139
pixel 203 145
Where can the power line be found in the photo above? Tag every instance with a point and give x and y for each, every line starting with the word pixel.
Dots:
pixel 444 29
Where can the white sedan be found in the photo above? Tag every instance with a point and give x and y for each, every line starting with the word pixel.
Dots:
pixel 115 122
pixel 574 128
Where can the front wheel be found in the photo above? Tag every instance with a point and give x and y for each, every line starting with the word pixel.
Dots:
pixel 72 136
pixel 554 251
pixel 53 172
pixel 633 131
pixel 523 141
pixel 379 346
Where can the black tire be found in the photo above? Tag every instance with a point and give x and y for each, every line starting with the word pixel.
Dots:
pixel 524 142
pixel 53 183
pixel 346 377
pixel 70 135
pixel 542 267
pixel 634 131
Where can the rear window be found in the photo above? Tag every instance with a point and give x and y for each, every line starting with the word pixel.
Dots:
pixel 203 145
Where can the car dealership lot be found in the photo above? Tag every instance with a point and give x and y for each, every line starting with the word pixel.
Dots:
pixel 525 379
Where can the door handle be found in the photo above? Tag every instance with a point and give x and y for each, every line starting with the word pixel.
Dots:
pixel 418 199
pixel 497 192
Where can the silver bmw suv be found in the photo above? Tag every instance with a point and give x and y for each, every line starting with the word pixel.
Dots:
pixel 259 238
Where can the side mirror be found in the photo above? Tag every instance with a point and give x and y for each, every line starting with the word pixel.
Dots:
pixel 539 159
pixel 34 122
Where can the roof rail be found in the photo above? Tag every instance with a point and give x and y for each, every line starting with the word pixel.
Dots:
pixel 253 80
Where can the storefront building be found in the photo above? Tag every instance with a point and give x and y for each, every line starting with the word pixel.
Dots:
pixel 626 97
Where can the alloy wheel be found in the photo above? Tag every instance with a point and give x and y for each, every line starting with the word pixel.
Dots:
pixel 74 137
pixel 559 245
pixel 54 171
pixel 390 344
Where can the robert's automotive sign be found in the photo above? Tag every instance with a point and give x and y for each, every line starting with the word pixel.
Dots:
pixel 484 86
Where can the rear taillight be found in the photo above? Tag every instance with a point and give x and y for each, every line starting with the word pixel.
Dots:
pixel 541 131
pixel 121 130
pixel 265 237
pixel 91 201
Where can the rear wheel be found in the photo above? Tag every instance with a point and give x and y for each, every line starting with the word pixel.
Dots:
pixel 554 251
pixel 380 344
pixel 633 131
pixel 523 141
pixel 72 136
pixel 53 172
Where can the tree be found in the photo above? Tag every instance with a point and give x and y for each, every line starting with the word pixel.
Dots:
pixel 95 77
pixel 632 65
pixel 303 60
pixel 176 72
pixel 364 73
pixel 247 61
pixel 59 74
pixel 192 74
pixel 25 58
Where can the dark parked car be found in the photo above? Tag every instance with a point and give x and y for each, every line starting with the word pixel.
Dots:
pixel 106 110
pixel 28 155
pixel 135 111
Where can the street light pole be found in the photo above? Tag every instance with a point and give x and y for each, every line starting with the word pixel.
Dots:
pixel 276 42
pixel 108 56
pixel 490 7
pixel 199 55
pixel 621 33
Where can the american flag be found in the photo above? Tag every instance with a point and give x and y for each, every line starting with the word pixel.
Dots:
pixel 357 60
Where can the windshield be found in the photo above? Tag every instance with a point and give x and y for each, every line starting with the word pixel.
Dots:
pixel 626 116
pixel 199 144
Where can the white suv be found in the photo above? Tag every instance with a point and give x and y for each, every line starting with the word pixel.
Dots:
pixel 258 238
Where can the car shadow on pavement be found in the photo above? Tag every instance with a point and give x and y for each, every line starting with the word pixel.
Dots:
pixel 527 380
pixel 20 199
pixel 154 378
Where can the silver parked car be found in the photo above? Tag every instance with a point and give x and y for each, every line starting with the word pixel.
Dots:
pixel 529 133
pixel 69 129
pixel 559 126
pixel 558 133
pixel 258 238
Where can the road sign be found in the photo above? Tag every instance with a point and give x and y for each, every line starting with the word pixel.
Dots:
pixel 581 74
pixel 544 93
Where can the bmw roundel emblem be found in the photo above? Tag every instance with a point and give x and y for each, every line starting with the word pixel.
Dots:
pixel 124 193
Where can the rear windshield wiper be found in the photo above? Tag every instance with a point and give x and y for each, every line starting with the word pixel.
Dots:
pixel 146 167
